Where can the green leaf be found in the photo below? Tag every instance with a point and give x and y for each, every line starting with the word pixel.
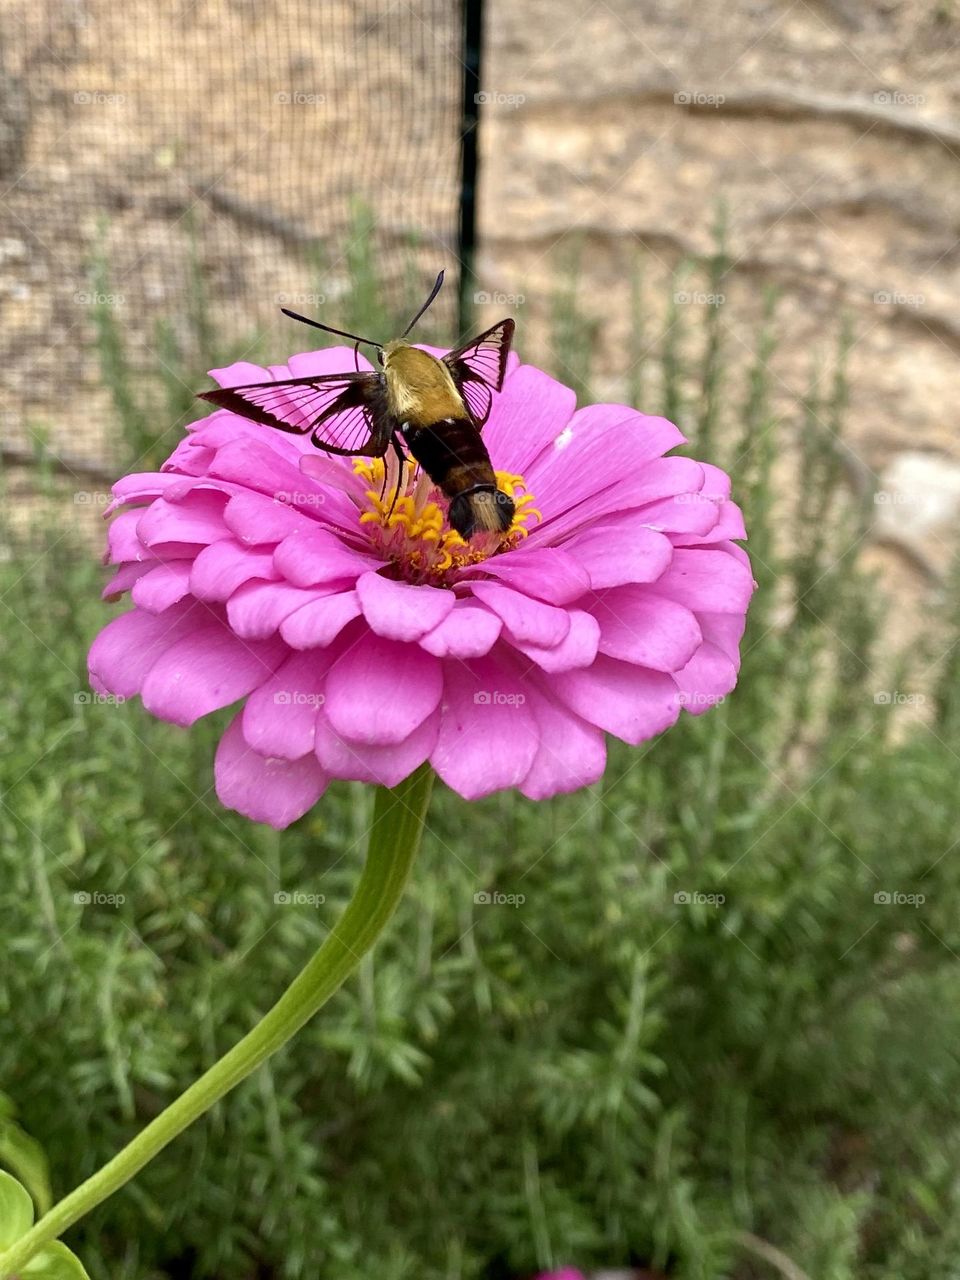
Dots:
pixel 25 1157
pixel 16 1211
pixel 55 1262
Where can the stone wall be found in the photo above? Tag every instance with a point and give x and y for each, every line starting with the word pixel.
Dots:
pixel 830 131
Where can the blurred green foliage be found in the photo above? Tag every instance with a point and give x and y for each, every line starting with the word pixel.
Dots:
pixel 603 1074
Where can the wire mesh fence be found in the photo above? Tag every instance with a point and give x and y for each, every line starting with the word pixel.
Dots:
pixel 171 174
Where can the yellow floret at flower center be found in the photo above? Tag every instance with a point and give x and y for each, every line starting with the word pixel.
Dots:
pixel 413 531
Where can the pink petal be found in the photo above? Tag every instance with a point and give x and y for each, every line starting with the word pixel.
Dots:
pixel 224 566
pixel 197 519
pixel 706 679
pixel 610 439
pixel 125 577
pixel 385 766
pixel 630 702
pixel 123 545
pixel 254 464
pixel 577 649
pixel 738 553
pixel 257 609
pixel 710 580
pixel 716 483
pixel 400 610
pixel 163 587
pixel 189 458
pixel 725 630
pixel 126 648
pixel 255 519
pixel 489 736
pixel 527 415
pixel 140 487
pixel 311 556
pixel 206 670
pixel 239 374
pixel 269 790
pixel 638 486
pixel 620 550
pixel 468 631
pixel 317 624
pixel 279 718
pixel 571 754
pixel 309 364
pixel 645 629
pixel 223 429
pixel 288 480
pixel 333 472
pixel 729 524
pixel 378 690
pixel 685 513
pixel 528 621
pixel 544 572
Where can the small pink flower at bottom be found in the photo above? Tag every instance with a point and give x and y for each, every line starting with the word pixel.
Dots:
pixel 361 641
pixel 565 1273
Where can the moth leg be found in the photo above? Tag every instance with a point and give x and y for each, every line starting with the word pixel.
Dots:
pixel 401 459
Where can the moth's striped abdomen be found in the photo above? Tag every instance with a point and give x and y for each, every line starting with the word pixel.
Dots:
pixel 455 458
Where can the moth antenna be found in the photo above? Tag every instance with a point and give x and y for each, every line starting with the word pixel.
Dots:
pixel 433 293
pixel 341 333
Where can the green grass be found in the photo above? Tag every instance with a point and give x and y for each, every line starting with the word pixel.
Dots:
pixel 600 1075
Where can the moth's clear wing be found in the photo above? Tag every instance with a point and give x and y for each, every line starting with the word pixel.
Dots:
pixel 478 367
pixel 344 412
pixel 478 398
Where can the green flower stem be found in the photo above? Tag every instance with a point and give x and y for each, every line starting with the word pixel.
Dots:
pixel 394 840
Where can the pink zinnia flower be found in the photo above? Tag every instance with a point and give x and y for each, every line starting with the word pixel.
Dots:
pixel 361 643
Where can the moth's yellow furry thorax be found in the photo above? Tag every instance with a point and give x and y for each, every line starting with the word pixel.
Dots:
pixel 420 389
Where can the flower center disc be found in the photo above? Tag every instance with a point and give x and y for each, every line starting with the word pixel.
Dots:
pixel 413 532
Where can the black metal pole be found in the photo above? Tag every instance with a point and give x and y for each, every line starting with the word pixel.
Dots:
pixel 469 130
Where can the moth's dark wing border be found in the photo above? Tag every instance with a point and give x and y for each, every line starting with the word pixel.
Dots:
pixel 481 363
pixel 344 413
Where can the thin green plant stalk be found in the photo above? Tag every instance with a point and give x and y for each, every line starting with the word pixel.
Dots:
pixel 394 840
